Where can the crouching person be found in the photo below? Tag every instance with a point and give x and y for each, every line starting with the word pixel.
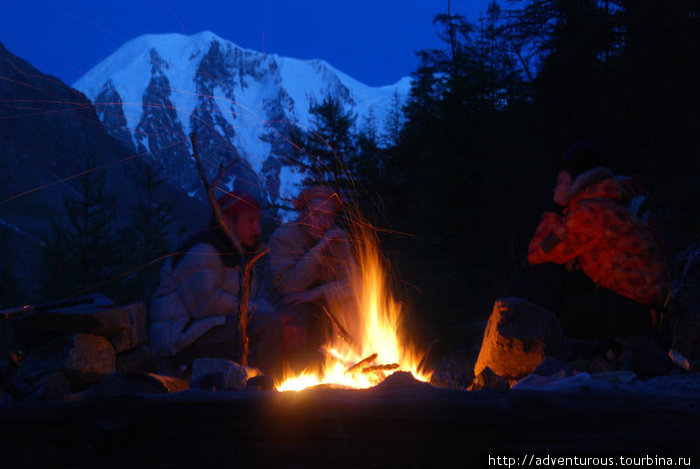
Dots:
pixel 194 313
pixel 596 263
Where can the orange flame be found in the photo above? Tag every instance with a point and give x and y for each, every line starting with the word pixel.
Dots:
pixel 373 322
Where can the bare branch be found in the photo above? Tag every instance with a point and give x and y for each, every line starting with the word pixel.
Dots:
pixel 244 290
pixel 244 295
pixel 212 200
pixel 343 333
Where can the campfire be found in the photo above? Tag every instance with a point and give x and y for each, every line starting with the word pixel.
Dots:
pixel 366 347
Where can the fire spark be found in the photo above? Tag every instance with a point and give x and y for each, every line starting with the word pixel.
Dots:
pixel 376 350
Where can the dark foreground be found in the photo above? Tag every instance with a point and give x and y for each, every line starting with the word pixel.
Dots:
pixel 399 423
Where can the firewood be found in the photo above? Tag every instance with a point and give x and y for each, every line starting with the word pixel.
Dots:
pixel 333 357
pixel 364 361
pixel 372 369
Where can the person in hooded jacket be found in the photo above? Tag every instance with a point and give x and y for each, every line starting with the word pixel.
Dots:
pixel 194 313
pixel 595 262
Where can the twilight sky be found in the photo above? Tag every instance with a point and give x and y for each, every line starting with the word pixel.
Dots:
pixel 371 40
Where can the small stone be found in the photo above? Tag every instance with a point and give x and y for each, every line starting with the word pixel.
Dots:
pixel 488 380
pixel 448 374
pixel 235 376
pixel 54 387
pixel 261 383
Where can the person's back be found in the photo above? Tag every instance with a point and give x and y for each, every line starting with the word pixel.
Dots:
pixel 626 273
pixel 614 248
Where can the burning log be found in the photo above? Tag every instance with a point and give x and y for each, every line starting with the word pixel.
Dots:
pixel 364 361
pixel 375 368
pixel 332 356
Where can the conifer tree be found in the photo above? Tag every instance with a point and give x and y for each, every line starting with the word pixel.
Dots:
pixel 80 254
pixel 146 239
pixel 329 143
pixel 11 293
pixel 393 122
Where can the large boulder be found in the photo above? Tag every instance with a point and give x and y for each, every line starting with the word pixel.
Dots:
pixel 221 374
pixel 84 359
pixel 123 326
pixel 517 338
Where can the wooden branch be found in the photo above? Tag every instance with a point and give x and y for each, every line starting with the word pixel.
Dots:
pixel 212 199
pixel 244 287
pixel 343 333
pixel 372 369
pixel 364 361
pixel 244 295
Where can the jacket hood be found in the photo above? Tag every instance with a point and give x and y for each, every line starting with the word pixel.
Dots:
pixel 596 183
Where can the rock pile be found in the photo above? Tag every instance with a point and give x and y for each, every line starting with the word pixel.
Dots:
pixel 89 350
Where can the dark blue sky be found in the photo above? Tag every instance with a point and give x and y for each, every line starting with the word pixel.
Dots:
pixel 371 40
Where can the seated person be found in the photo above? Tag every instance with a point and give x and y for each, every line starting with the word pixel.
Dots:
pixel 195 308
pixel 308 268
pixel 596 264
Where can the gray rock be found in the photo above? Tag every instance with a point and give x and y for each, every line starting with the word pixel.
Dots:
pixel 120 384
pixel 54 387
pixel 123 326
pixel 550 366
pixel 261 383
pixel 644 356
pixel 139 359
pixel 517 338
pixel 233 375
pixel 84 359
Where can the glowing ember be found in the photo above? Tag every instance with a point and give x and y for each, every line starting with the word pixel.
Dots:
pixel 373 323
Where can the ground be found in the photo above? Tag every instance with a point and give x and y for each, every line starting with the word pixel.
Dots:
pixel 398 423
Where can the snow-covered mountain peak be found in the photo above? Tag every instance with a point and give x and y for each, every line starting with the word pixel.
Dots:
pixel 157 89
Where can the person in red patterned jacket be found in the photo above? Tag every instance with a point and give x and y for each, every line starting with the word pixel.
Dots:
pixel 625 273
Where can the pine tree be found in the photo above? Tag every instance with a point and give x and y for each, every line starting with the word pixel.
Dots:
pixel 146 239
pixel 394 122
pixel 329 143
pixel 11 293
pixel 80 254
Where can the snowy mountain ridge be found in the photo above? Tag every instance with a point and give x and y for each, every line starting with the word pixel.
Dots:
pixel 157 89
